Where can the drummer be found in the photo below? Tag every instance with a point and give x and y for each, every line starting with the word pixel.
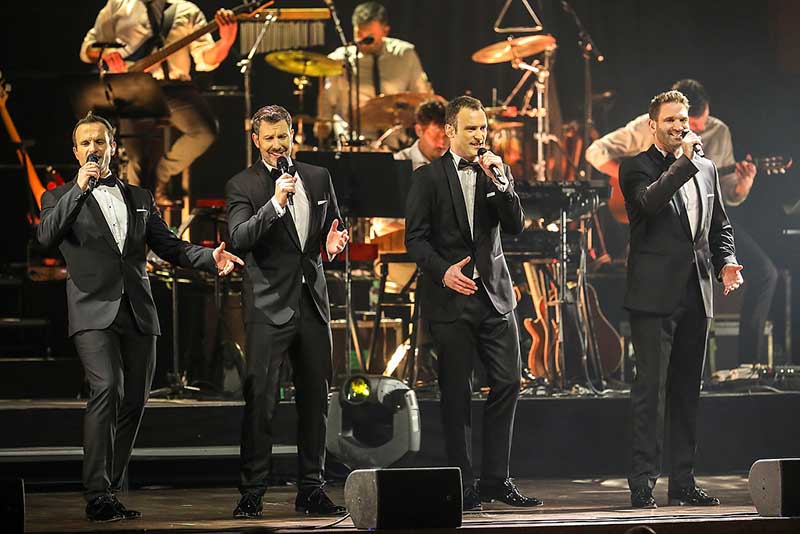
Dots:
pixel 388 66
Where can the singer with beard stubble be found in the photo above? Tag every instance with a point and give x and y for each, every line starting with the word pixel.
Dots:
pixel 680 240
pixel 103 229
pixel 286 306
pixel 456 209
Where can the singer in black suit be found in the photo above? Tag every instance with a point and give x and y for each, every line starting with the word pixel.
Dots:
pixel 680 240
pixel 103 229
pixel 282 220
pixel 456 209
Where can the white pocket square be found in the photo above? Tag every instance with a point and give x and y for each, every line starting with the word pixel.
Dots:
pixel 491 194
pixel 141 210
pixel 321 202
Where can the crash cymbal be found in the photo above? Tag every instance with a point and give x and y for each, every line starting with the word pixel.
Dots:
pixel 385 111
pixel 303 63
pixel 511 49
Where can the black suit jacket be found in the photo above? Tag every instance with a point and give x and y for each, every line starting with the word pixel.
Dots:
pixel 97 271
pixel 662 250
pixel 275 264
pixel 438 235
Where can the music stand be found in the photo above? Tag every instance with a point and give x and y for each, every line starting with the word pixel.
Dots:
pixel 367 184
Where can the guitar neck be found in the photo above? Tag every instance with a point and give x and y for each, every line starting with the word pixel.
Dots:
pixel 159 56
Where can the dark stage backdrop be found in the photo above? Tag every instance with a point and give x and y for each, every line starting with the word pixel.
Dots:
pixel 745 52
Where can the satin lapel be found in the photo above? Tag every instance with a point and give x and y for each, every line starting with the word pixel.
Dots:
pixel 313 210
pixel 479 216
pixel 459 204
pixel 682 213
pixel 702 202
pixel 133 217
pixel 97 214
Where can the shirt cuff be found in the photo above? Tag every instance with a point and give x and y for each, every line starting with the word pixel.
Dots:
pixel 278 208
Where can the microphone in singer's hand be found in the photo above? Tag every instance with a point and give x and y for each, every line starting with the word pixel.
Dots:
pixel 283 168
pixel 698 148
pixel 93 158
pixel 497 174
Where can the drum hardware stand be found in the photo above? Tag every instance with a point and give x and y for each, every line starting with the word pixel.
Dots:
pixel 245 70
pixel 178 380
pixel 589 51
pixel 542 125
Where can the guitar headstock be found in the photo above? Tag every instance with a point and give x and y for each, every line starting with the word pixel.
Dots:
pixel 5 89
pixel 774 164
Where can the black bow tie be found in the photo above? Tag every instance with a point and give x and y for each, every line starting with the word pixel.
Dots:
pixel 464 164
pixel 275 173
pixel 109 181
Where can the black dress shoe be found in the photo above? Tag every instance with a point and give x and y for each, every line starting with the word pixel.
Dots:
pixel 249 507
pixel 506 492
pixel 103 509
pixel 472 500
pixel 316 502
pixel 692 496
pixel 643 498
pixel 126 514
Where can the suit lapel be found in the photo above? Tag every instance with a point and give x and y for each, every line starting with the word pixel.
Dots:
pixel 100 220
pixel 133 218
pixel 311 195
pixel 702 203
pixel 459 204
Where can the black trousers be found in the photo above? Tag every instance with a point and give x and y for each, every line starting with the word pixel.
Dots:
pixel 479 331
pixel 306 338
pixel 761 277
pixel 119 363
pixel 669 364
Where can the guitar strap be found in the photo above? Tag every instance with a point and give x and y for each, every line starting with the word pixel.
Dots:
pixel 160 32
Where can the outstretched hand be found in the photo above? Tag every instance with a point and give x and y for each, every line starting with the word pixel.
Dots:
pixel 731 277
pixel 455 279
pixel 336 240
pixel 225 260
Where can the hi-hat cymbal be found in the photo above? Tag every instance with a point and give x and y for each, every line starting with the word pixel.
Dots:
pixel 511 49
pixel 304 63
pixel 385 111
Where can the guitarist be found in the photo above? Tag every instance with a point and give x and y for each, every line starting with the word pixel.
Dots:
pixel 606 153
pixel 142 27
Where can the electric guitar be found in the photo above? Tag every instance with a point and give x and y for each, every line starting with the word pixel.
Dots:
pixel 34 182
pixel 245 10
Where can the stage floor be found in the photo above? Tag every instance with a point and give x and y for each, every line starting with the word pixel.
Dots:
pixel 600 505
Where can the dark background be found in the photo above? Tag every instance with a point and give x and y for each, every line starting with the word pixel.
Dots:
pixel 747 53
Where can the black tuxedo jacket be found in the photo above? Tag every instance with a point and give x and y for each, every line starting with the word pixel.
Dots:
pixel 438 235
pixel 662 250
pixel 275 263
pixel 97 272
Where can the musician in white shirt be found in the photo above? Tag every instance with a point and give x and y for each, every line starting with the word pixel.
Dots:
pixel 127 22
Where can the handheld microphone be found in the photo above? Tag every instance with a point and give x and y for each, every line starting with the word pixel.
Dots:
pixel 93 158
pixel 497 174
pixel 698 148
pixel 283 168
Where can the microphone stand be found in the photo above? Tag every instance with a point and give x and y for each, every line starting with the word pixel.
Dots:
pixel 353 113
pixel 245 70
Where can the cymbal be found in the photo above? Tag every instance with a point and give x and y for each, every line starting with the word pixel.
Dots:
pixel 385 111
pixel 510 49
pixel 304 63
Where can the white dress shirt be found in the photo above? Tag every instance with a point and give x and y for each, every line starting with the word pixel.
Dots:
pixel 691 199
pixel 115 212
pixel 468 177
pixel 300 210
pixel 126 21
pixel 413 154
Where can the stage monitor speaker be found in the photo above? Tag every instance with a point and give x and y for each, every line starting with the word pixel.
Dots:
pixel 12 506
pixel 775 487
pixel 404 498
